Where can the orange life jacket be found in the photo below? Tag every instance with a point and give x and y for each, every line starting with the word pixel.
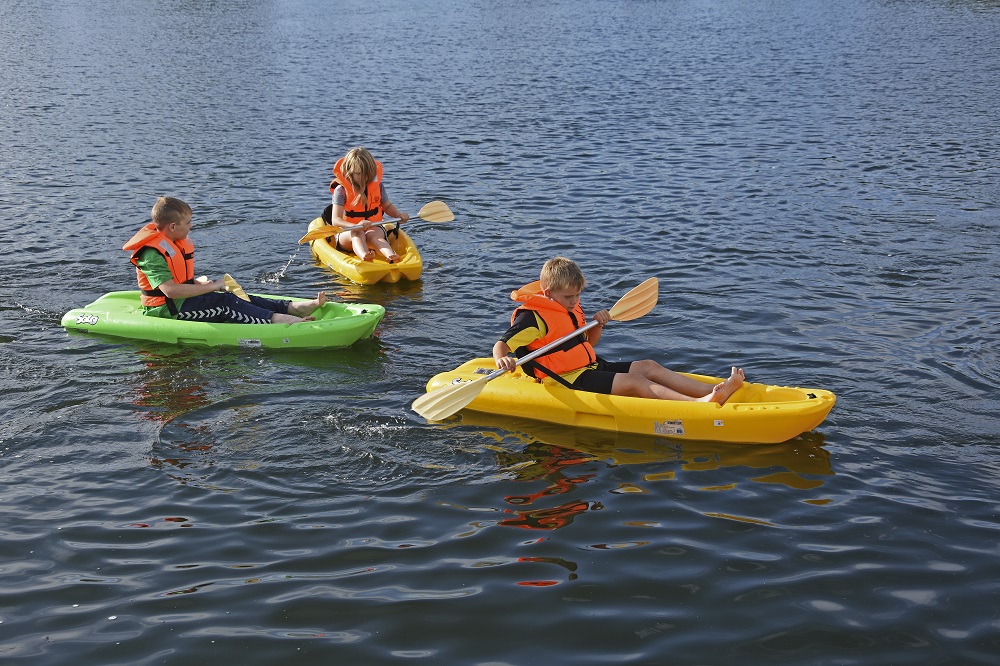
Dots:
pixel 180 261
pixel 352 207
pixel 574 354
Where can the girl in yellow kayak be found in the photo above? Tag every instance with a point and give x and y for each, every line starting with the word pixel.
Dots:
pixel 359 198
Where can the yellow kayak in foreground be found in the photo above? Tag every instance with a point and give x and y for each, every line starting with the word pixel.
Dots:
pixel 409 266
pixel 756 413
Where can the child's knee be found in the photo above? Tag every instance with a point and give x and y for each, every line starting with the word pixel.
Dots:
pixel 644 366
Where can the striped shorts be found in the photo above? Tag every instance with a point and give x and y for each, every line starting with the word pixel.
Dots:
pixel 219 307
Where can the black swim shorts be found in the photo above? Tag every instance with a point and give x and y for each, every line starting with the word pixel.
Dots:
pixel 600 379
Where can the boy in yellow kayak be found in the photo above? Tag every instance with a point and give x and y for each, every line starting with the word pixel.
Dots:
pixel 554 311
pixel 163 256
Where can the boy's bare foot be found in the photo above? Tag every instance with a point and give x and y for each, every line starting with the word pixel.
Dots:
pixel 724 391
pixel 304 308
pixel 369 256
pixel 392 257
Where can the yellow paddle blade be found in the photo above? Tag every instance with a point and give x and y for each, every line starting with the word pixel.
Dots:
pixel 443 402
pixel 436 211
pixel 320 232
pixel 637 302
pixel 234 288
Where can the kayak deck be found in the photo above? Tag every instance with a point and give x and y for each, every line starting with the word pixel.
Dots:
pixel 119 314
pixel 756 413
pixel 409 266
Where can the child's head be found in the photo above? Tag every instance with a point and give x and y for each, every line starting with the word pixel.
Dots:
pixel 169 210
pixel 359 167
pixel 172 216
pixel 561 274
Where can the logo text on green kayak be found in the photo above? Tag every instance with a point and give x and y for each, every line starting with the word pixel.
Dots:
pixel 90 319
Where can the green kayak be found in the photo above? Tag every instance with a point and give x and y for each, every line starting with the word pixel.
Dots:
pixel 119 314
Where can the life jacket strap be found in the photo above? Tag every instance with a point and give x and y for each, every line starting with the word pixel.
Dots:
pixel 169 302
pixel 531 365
pixel 361 213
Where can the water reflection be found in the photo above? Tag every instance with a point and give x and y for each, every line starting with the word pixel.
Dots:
pixel 169 385
pixel 576 471
pixel 801 463
pixel 174 383
pixel 532 451
pixel 539 461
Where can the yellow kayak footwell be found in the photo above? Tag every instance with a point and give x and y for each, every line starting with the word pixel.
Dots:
pixel 756 413
pixel 409 266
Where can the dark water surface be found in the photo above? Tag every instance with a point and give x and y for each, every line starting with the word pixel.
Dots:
pixel 816 184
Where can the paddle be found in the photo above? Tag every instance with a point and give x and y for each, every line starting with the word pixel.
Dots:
pixel 233 287
pixel 445 401
pixel 435 211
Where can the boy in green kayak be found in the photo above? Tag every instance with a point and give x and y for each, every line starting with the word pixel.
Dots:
pixel 163 256
pixel 550 310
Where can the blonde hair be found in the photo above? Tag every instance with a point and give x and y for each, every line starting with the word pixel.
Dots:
pixel 359 167
pixel 561 273
pixel 169 210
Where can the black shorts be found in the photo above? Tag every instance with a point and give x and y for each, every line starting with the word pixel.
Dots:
pixel 600 379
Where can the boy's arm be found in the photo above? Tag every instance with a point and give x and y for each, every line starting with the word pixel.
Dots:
pixel 172 289
pixel 501 358
pixel 594 334
pixel 527 328
pixel 155 267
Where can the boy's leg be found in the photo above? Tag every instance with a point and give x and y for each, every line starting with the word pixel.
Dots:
pixel 674 381
pixel 638 386
pixel 219 307
pixel 620 381
pixel 306 308
pixel 270 304
pixel 649 379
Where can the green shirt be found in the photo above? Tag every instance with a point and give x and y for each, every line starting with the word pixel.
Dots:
pixel 157 272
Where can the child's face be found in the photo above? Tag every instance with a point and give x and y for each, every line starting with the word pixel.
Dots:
pixel 178 230
pixel 568 298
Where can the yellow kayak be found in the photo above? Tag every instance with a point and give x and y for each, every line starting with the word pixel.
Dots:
pixel 756 413
pixel 409 266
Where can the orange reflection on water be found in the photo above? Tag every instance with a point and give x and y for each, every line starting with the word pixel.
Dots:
pixel 549 519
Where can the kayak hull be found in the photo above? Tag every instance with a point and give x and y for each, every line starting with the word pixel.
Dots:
pixel 409 266
pixel 756 413
pixel 119 314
